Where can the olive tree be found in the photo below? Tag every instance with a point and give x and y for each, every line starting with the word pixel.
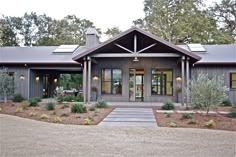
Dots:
pixel 206 92
pixel 6 83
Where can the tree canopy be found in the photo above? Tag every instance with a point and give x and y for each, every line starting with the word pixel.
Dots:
pixel 32 29
pixel 181 21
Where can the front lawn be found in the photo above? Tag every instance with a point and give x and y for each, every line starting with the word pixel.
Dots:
pixel 60 113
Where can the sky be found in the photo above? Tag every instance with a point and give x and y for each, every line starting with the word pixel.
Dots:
pixel 103 13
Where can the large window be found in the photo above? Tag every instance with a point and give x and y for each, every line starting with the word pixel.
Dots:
pixel 162 82
pixel 233 80
pixel 111 81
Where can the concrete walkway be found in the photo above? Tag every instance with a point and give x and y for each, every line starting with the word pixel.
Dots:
pixel 143 117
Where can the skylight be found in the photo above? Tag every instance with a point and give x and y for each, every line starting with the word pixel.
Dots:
pixel 196 48
pixel 65 49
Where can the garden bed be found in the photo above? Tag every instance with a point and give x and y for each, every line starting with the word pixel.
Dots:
pixel 61 110
pixel 199 120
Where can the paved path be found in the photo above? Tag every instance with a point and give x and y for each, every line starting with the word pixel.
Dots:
pixel 21 137
pixel 143 117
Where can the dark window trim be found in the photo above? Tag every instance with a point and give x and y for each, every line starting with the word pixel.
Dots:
pixel 163 69
pixel 231 80
pixel 111 81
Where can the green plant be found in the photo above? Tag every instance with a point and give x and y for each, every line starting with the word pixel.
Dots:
pixel 79 98
pixel 44 116
pixel 211 123
pixel 168 115
pixel 186 116
pixel 64 115
pixel 38 99
pixel 92 108
pixel 33 102
pixel 87 121
pixel 24 104
pixel 78 108
pixel 17 98
pixel 192 121
pixel 207 92
pixel 68 98
pixel 168 105
pixel 101 104
pixel 227 102
pixel 64 106
pixel 172 124
pixel 50 106
pixel 232 113
pixel 57 120
pixel 19 109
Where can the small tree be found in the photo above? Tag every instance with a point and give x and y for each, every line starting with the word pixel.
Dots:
pixel 206 93
pixel 6 83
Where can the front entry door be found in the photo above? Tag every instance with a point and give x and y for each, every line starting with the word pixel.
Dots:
pixel 136 84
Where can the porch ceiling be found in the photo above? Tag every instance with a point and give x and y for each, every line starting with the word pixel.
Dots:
pixel 144 39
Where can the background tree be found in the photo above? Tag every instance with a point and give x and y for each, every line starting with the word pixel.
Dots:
pixel 112 32
pixel 225 14
pixel 181 21
pixel 6 83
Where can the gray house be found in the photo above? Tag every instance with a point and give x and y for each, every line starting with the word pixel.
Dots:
pixel 133 66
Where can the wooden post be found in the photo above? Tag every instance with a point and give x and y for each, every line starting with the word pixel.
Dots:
pixel 187 82
pixel 183 80
pixel 85 80
pixel 89 79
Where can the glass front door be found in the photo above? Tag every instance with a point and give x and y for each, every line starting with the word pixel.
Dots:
pixel 136 84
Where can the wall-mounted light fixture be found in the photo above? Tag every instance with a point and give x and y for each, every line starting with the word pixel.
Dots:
pixel 95 78
pixel 178 79
pixel 22 77
pixel 55 80
pixel 37 78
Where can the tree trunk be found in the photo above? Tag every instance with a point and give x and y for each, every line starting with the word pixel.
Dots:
pixel 5 96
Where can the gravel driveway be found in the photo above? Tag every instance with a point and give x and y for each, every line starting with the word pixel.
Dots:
pixel 21 137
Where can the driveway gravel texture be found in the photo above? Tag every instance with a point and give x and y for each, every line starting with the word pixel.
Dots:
pixel 21 137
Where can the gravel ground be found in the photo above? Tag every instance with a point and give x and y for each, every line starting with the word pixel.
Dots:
pixel 21 137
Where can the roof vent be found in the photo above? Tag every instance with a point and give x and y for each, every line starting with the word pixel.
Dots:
pixel 196 48
pixel 65 49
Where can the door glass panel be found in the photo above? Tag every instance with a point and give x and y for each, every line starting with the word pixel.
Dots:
pixel 136 84
pixel 131 84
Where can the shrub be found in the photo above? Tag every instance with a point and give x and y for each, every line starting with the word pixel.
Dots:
pixel 168 105
pixel 78 108
pixel 44 116
pixel 87 121
pixel 101 104
pixel 50 106
pixel 69 98
pixel 64 106
pixel 17 98
pixel 19 109
pixel 232 113
pixel 227 102
pixel 172 124
pixel 186 116
pixel 207 92
pixel 79 98
pixel 192 121
pixel 210 123
pixel 38 99
pixel 64 115
pixel 92 108
pixel 24 104
pixel 33 102
pixel 57 120
pixel 168 115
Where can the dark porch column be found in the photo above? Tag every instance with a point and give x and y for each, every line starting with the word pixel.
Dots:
pixel 89 79
pixel 183 75
pixel 85 81
pixel 187 82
